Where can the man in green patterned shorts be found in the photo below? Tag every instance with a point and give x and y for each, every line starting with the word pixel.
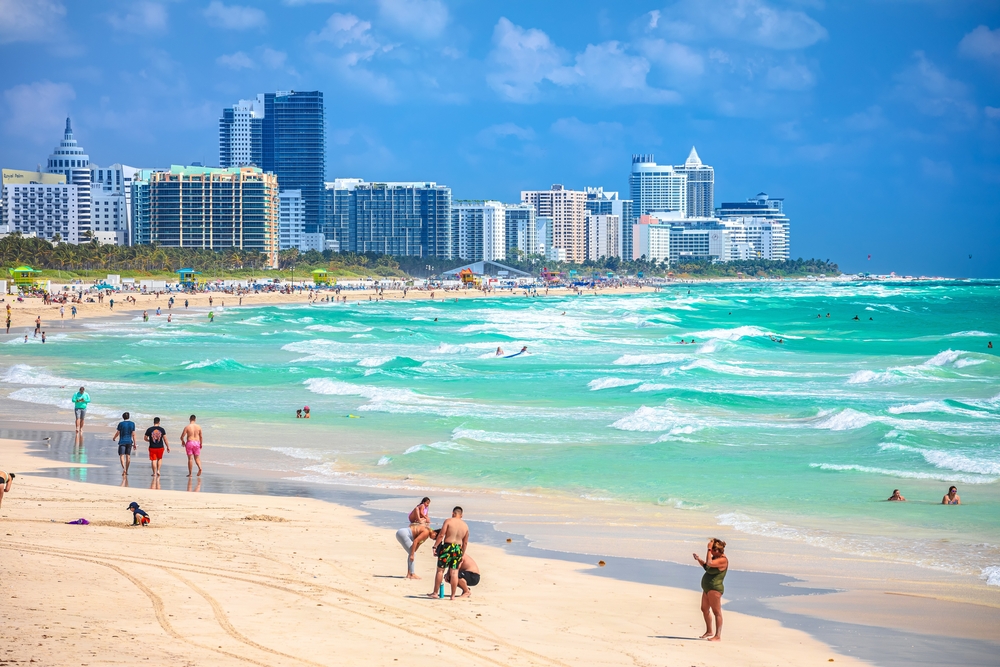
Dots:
pixel 451 542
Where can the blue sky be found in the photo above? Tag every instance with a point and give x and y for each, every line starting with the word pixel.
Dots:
pixel 877 121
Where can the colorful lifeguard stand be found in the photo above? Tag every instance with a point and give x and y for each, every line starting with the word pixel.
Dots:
pixel 25 277
pixel 468 277
pixel 187 277
pixel 320 277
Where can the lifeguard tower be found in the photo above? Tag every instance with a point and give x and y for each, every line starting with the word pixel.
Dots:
pixel 321 277
pixel 468 278
pixel 25 277
pixel 187 278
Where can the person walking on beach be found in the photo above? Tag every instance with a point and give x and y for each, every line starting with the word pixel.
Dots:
pixel 450 544
pixel 952 497
pixel 191 438
pixel 716 565
pixel 419 513
pixel 410 538
pixel 123 434
pixel 156 436
pixel 6 479
pixel 81 400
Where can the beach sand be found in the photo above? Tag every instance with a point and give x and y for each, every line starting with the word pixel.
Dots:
pixel 240 579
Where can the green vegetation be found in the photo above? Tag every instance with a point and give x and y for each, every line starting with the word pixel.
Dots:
pixel 91 260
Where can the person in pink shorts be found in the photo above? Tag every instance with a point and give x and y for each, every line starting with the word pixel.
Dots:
pixel 192 440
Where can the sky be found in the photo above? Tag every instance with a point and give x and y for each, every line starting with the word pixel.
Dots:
pixel 878 121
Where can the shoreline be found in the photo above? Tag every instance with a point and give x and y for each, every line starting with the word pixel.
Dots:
pixel 334 593
pixel 761 594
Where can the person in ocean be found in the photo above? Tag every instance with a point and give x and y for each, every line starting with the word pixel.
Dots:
pixel 896 495
pixel 952 497
pixel 499 351
pixel 523 350
pixel 305 412
pixel 716 565
pixel 298 413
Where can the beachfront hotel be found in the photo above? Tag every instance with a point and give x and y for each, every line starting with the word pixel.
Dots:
pixel 39 204
pixel 568 211
pixel 206 207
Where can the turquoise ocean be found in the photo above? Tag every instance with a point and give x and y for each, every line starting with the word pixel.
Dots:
pixel 801 439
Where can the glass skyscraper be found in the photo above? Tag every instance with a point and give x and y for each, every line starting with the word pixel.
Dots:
pixel 283 133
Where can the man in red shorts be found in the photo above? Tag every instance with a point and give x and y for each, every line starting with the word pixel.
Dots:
pixel 156 436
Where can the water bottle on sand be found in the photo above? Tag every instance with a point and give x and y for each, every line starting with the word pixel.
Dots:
pixel 441 590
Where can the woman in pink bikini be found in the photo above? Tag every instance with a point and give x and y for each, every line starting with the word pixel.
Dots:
pixel 191 438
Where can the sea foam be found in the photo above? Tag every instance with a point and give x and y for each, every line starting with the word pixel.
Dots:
pixel 609 382
pixel 907 474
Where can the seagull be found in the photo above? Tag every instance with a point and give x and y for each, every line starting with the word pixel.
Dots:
pixel 47 440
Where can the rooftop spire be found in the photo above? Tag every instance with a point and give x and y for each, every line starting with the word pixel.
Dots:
pixel 693 159
pixel 69 129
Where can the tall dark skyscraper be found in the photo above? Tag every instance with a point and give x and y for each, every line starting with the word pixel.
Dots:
pixel 283 133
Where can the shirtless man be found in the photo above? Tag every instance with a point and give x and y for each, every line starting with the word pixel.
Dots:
pixel 468 575
pixel 952 497
pixel 419 513
pixel 451 542
pixel 191 438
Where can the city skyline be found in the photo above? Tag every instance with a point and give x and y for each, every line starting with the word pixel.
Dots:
pixel 874 143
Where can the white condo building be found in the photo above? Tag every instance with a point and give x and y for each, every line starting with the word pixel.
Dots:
pixel 568 211
pixel 111 203
pixel 656 188
pixel 70 160
pixel 40 205
pixel 291 220
pixel 604 236
pixel 240 133
pixel 700 188
pixel 479 230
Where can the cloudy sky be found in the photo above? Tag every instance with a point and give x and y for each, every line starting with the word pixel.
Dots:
pixel 878 121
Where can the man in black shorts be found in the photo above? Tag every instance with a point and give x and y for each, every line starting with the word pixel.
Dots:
pixel 124 436
pixel 468 575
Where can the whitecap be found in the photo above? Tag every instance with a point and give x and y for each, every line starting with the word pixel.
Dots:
pixel 906 474
pixel 384 461
pixel 846 420
pixel 299 453
pixel 949 460
pixel 649 359
pixel 372 362
pixel 992 575
pixel 609 382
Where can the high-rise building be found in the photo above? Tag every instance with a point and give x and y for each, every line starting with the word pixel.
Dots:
pixel 111 203
pixel 141 233
pixel 568 211
pixel 655 187
pixel 240 136
pixel 762 224
pixel 604 236
pixel 600 202
pixel 291 219
pixel 204 207
pixel 338 205
pixel 522 230
pixel 409 218
pixel 283 133
pixel 543 234
pixel 70 160
pixel 39 204
pixel 479 230
pixel 700 186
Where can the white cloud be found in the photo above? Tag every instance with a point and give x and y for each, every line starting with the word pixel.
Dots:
pixel 273 59
pixel 234 17
pixel 355 46
pixel 524 60
pixel 992 112
pixel 425 19
pixel 237 61
pixel 29 20
pixel 941 171
pixel 491 135
pixel 982 44
pixel 521 60
pixel 38 110
pixel 140 17
pixel 678 59
pixel 751 21
pixel 931 91
pixel 790 76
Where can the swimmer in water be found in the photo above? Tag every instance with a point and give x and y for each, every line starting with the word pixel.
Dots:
pixel 523 350
pixel 989 345
pixel 896 495
pixel 857 318
pixel 499 351
pixel 952 497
